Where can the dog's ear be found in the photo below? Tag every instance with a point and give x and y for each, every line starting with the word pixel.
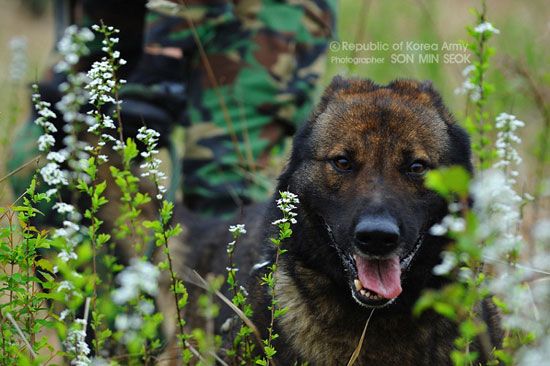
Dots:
pixel 340 86
pixel 460 148
pixel 338 83
pixel 423 92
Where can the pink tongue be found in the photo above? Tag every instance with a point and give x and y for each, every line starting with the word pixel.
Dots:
pixel 382 276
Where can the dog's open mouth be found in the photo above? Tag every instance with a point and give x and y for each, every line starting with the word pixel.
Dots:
pixel 377 282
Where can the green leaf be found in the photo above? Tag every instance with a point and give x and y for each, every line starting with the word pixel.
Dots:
pixel 448 181
pixel 445 309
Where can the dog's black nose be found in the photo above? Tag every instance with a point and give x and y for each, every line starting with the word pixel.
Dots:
pixel 376 235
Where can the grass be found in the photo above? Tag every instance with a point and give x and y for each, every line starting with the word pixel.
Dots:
pixel 514 80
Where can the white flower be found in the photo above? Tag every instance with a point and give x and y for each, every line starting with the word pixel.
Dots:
pixel 486 27
pixel 71 226
pixel 72 46
pixel 59 156
pixel 45 142
pixel 438 230
pixel 279 221
pixel 468 70
pixel 447 265
pixel 62 207
pixel 238 229
pixel 65 285
pixel 64 314
pixel 52 175
pixel 507 124
pixel 66 256
pixel 469 88
pixel 287 203
pixel 128 321
pixel 139 276
pixel 75 343
pixel 151 165
pixel 146 307
pixel 496 204
pixel 101 82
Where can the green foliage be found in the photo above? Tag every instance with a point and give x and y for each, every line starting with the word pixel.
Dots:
pixel 49 276
pixel 449 182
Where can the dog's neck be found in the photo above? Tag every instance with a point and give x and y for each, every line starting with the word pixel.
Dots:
pixel 321 320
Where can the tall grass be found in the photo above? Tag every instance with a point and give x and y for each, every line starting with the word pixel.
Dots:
pixel 68 281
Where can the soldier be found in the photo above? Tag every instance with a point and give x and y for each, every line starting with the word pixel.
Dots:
pixel 240 75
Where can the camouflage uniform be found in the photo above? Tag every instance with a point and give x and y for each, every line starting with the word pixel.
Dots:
pixel 266 59
pixel 250 69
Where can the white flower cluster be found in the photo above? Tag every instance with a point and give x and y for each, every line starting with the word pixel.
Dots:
pixel 452 222
pixel 70 231
pixel 46 140
pixel 72 46
pixel 467 87
pixel 109 42
pixel 151 166
pixel 497 207
pixel 103 122
pixel 131 323
pixel 75 342
pixel 486 27
pixel 53 175
pixel 507 125
pixel 18 67
pixel 74 97
pixel 101 83
pixel 238 229
pixel 537 355
pixel 139 277
pixel 287 203
pixel 496 202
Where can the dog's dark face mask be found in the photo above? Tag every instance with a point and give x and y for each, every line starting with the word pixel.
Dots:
pixel 358 167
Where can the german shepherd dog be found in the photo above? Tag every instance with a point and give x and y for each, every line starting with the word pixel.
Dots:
pixel 361 246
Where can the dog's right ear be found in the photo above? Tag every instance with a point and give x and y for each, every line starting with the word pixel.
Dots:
pixel 338 83
pixel 341 86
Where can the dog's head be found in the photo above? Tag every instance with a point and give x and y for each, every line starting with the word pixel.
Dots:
pixel 358 166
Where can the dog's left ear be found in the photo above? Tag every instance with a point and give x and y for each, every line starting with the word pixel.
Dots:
pixel 423 92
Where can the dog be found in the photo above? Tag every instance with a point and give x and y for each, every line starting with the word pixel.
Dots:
pixel 361 249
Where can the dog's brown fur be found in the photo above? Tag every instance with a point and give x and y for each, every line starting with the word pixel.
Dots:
pixel 382 129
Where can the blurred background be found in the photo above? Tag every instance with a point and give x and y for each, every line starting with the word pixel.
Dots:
pixel 519 67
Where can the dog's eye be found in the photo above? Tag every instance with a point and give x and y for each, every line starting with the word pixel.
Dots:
pixel 418 168
pixel 342 164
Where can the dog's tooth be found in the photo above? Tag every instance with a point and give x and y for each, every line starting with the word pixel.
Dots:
pixel 357 284
pixel 363 292
pixel 368 294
